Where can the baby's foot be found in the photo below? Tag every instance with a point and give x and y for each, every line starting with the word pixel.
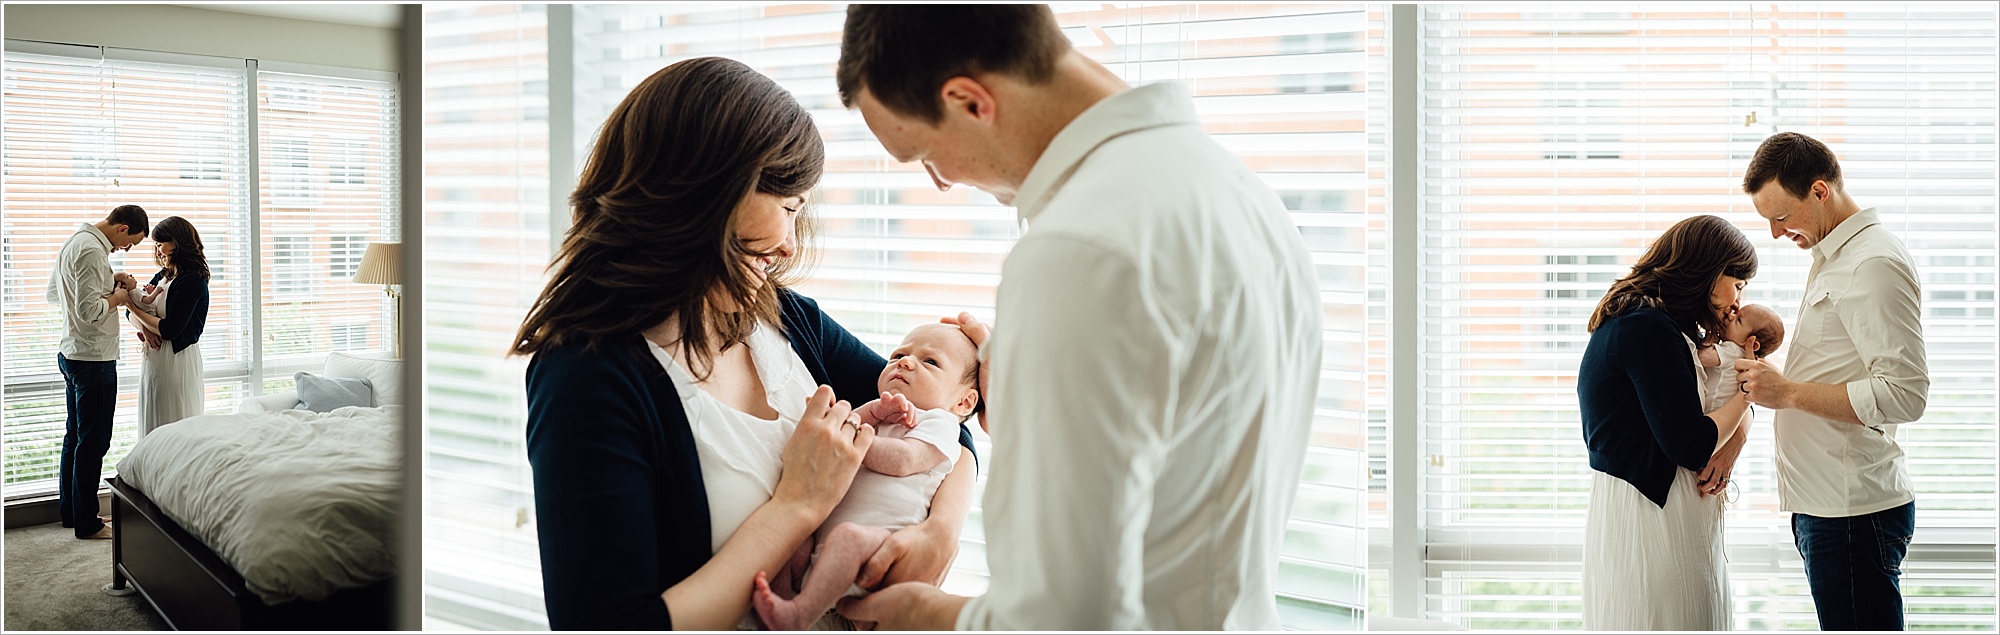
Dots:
pixel 777 613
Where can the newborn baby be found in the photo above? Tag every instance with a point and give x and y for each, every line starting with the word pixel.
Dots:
pixel 1755 331
pixel 936 372
pixel 148 300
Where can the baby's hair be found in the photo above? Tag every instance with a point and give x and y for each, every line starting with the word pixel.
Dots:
pixel 1770 333
pixel 1769 336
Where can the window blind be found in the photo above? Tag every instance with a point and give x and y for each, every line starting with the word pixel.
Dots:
pixel 87 130
pixel 486 242
pixel 329 176
pixel 1380 528
pixel 1558 141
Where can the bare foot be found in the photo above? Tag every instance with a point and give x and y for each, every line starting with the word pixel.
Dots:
pixel 102 534
pixel 777 613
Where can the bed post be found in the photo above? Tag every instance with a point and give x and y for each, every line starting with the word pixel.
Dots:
pixel 117 587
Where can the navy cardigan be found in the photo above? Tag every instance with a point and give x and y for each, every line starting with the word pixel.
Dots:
pixel 187 309
pixel 1642 415
pixel 619 499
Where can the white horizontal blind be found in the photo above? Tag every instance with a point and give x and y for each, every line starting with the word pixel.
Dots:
pixel 486 242
pixel 329 173
pixel 85 134
pixel 1559 141
pixel 1380 531
pixel 1279 85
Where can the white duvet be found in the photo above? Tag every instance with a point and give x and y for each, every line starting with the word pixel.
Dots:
pixel 301 503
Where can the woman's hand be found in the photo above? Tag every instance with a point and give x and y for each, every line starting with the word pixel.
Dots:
pixel 820 459
pixel 1714 478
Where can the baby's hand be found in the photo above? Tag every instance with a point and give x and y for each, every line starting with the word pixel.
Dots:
pixel 890 409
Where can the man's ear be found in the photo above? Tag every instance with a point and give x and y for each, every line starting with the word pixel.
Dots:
pixel 966 96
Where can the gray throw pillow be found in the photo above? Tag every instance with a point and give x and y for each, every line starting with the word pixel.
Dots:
pixel 324 394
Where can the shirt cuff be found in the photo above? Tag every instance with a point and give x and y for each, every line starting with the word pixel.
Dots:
pixel 967 620
pixel 1861 395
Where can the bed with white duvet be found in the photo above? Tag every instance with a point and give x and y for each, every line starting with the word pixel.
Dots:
pixel 300 503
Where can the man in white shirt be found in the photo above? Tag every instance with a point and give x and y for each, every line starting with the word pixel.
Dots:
pixel 89 295
pixel 1855 370
pixel 1155 369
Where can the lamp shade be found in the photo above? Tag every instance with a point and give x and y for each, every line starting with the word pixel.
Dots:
pixel 381 264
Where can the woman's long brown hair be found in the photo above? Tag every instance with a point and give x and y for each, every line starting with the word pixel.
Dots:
pixel 1678 272
pixel 655 209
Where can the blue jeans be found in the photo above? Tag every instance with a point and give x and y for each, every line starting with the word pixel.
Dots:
pixel 91 390
pixel 1853 565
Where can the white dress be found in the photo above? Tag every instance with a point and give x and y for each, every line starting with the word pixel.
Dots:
pixel 170 385
pixel 1653 568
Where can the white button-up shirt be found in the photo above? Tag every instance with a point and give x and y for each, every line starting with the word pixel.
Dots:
pixel 80 283
pixel 1155 364
pixel 1858 325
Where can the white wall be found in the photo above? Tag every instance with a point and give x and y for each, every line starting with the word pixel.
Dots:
pixel 176 29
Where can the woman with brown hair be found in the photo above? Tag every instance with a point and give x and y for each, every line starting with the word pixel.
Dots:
pixel 169 317
pixel 678 441
pixel 1653 547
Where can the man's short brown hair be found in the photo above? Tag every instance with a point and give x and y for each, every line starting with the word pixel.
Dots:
pixel 904 53
pixel 133 217
pixel 1794 161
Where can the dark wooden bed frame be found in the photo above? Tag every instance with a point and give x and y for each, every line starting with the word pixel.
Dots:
pixel 194 589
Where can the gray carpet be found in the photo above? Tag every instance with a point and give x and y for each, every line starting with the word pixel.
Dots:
pixel 53 580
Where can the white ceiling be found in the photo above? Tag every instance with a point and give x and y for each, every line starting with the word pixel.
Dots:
pixel 385 16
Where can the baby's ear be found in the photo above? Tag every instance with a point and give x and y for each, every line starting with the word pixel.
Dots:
pixel 966 403
pixel 1756 347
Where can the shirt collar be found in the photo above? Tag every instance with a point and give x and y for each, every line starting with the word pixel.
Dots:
pixel 92 229
pixel 1149 106
pixel 1830 246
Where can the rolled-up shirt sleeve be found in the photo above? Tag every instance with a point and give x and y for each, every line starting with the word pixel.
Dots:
pixel 1079 363
pixel 1881 311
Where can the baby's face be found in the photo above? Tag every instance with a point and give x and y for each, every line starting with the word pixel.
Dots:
pixel 1736 329
pixel 929 369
